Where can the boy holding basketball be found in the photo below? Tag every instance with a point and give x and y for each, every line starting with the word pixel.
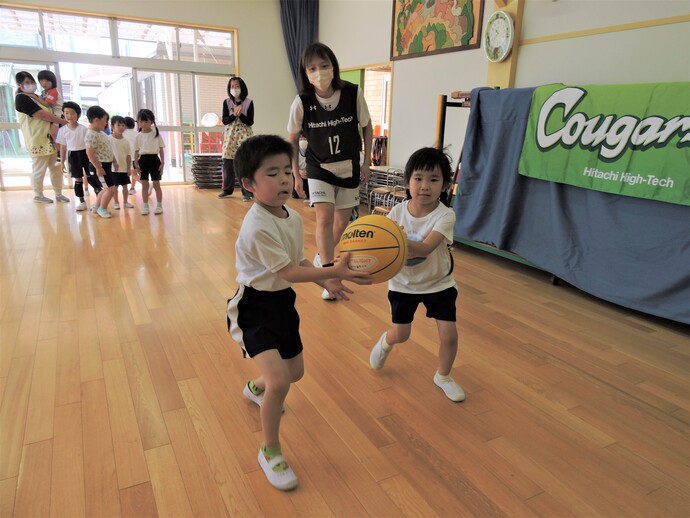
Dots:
pixel 261 316
pixel 427 276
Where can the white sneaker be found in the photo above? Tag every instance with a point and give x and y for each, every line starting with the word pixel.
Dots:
pixel 159 209
pixel 145 210
pixel 452 390
pixel 283 480
pixel 377 358
pixel 81 206
pixel 132 191
pixel 116 206
pixel 103 213
pixel 317 261
pixel 42 199
pixel 129 206
pixel 61 198
pixel 94 209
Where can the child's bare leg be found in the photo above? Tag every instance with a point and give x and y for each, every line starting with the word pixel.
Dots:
pixel 145 191
pixel 106 195
pixel 125 195
pixel 159 191
pixel 396 334
pixel 448 349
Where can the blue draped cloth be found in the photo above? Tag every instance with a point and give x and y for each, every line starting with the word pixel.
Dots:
pixel 631 251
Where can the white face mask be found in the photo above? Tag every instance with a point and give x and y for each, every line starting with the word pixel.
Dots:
pixel 29 89
pixel 303 146
pixel 321 79
pixel 235 92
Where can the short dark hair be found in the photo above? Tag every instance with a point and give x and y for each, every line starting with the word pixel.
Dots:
pixel 428 159
pixel 48 76
pixel 244 92
pixel 117 119
pixel 253 151
pixel 129 122
pixel 96 112
pixel 72 105
pixel 318 50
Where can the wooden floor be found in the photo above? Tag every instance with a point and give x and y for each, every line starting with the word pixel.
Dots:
pixel 122 392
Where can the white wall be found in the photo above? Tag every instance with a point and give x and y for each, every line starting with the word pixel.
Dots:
pixel 262 58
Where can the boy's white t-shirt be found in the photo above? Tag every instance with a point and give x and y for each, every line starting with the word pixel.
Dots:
pixel 120 151
pixel 148 143
pixel 73 139
pixel 430 274
pixel 131 136
pixel 267 244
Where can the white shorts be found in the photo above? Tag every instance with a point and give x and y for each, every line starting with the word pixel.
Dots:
pixel 341 197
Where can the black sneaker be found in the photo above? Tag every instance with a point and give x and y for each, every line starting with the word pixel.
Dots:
pixel 224 194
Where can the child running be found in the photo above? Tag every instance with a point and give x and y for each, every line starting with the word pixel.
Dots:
pixel 262 317
pixel 122 160
pixel 149 159
pixel 71 139
pixel 427 276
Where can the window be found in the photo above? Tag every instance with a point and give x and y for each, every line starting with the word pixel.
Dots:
pixel 146 40
pixel 84 34
pixel 20 28
pixel 180 73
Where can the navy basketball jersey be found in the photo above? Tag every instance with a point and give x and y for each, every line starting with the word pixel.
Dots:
pixel 334 141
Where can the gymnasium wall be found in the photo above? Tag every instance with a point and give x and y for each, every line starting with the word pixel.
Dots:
pixel 359 32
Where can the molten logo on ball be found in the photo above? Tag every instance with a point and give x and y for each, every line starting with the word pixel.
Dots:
pixel 376 245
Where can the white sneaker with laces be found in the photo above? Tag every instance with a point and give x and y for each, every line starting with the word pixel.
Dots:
pixel 283 480
pixel 145 209
pixel 42 199
pixel 61 198
pixel 81 206
pixel 129 205
pixel 103 213
pixel 159 209
pixel 116 206
pixel 452 390
pixel 377 358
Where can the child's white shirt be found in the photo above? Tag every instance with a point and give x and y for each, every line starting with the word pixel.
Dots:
pixel 430 274
pixel 148 143
pixel 120 151
pixel 265 245
pixel 72 138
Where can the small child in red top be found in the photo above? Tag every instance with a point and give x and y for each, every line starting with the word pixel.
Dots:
pixel 51 96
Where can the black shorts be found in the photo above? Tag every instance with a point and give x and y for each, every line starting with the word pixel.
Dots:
pixel 109 176
pixel 148 167
pixel 121 178
pixel 263 320
pixel 78 163
pixel 439 305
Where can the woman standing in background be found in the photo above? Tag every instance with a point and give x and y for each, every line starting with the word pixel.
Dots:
pixel 238 118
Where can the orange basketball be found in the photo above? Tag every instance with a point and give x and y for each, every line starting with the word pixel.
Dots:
pixel 376 245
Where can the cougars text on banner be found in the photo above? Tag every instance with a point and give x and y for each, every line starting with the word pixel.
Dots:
pixel 631 139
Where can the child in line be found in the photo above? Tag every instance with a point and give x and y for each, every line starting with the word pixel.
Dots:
pixel 71 139
pixel 131 135
pixel 427 276
pixel 100 155
pixel 329 112
pixel 122 160
pixel 149 159
pixel 262 317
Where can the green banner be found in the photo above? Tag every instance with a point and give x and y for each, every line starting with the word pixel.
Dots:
pixel 632 139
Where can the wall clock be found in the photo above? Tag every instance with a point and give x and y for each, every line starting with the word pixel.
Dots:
pixel 498 37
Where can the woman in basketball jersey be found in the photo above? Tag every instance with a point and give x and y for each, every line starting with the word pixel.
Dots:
pixel 329 111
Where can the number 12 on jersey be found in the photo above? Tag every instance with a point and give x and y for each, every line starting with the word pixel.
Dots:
pixel 334 144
